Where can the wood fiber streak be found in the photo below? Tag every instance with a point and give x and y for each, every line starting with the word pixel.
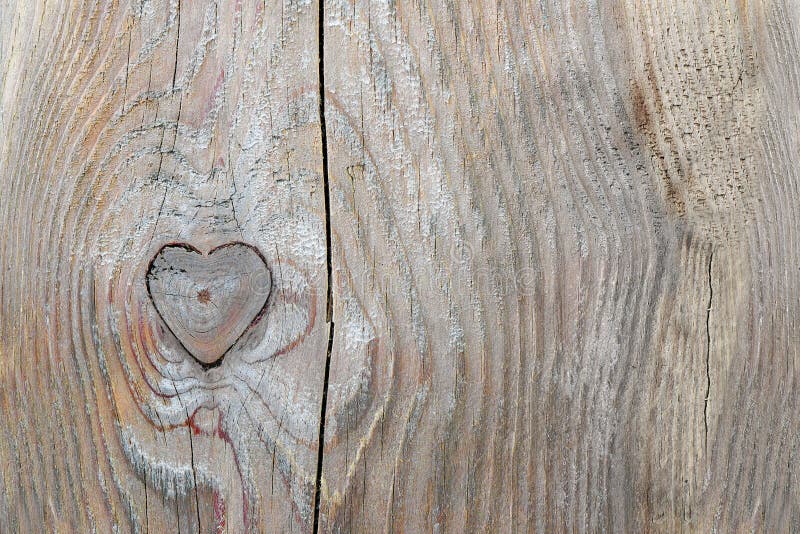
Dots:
pixel 563 265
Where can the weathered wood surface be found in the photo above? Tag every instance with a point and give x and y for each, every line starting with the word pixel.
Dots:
pixel 561 240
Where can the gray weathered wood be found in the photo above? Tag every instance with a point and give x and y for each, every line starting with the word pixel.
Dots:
pixel 126 127
pixel 561 241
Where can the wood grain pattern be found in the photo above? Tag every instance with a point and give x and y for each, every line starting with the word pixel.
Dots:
pixel 128 126
pixel 562 261
pixel 573 229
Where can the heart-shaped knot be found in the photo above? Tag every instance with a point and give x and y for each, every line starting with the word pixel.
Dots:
pixel 209 300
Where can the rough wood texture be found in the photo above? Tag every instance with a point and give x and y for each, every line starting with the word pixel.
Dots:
pixel 127 127
pixel 561 240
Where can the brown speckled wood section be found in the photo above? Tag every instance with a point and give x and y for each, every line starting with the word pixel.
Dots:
pixel 209 300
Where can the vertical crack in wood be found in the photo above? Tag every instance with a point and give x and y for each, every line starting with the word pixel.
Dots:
pixel 708 351
pixel 329 294
pixel 194 474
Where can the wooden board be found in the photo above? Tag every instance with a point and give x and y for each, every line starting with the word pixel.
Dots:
pixel 558 241
pixel 136 126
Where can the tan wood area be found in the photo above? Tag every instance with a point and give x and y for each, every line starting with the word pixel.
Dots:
pixel 399 266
